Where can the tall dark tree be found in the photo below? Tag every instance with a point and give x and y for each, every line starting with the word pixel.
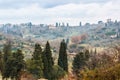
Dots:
pixel 17 64
pixel 80 61
pixel 7 51
pixel 95 52
pixel 87 55
pixel 6 56
pixel 36 66
pixel 48 62
pixel 1 63
pixel 62 60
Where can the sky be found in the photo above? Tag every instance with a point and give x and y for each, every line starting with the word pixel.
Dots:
pixel 52 11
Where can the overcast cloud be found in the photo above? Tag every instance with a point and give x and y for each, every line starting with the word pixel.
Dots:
pixel 51 11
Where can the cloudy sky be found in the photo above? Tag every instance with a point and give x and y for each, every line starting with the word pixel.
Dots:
pixel 51 11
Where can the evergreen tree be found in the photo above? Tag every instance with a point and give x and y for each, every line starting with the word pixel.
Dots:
pixel 1 63
pixel 95 52
pixel 6 56
pixel 7 51
pixel 36 65
pixel 87 55
pixel 62 60
pixel 48 62
pixel 58 73
pixel 17 64
pixel 79 62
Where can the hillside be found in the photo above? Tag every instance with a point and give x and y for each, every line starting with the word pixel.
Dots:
pixel 102 34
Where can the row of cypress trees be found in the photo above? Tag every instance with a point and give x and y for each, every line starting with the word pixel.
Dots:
pixel 41 65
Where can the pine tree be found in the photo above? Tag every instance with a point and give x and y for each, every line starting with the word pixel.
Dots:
pixel 36 66
pixel 62 60
pixel 48 62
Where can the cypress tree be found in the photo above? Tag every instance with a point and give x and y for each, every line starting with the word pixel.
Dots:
pixel 37 64
pixel 48 62
pixel 95 52
pixel 62 60
pixel 87 54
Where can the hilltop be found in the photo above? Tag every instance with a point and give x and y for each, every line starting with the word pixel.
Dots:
pixel 24 35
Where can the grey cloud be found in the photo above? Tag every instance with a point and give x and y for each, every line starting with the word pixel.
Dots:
pixel 64 13
pixel 43 3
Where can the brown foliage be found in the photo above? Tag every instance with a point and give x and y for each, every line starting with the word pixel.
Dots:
pixel 78 39
pixel 24 75
pixel 111 73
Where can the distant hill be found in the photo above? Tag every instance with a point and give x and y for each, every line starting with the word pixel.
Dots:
pixel 25 35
